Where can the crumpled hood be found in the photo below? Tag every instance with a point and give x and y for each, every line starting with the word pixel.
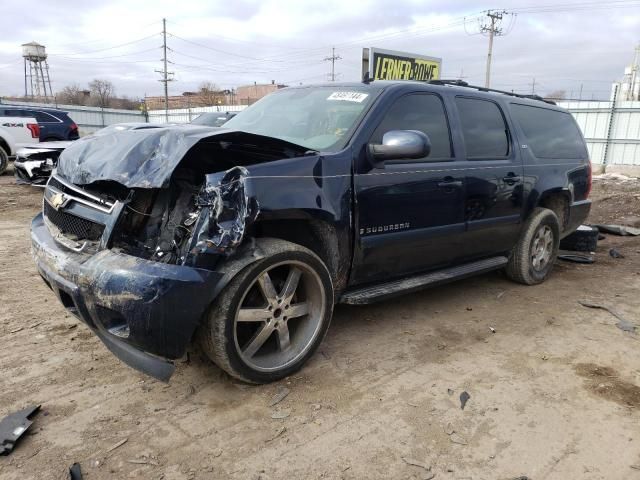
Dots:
pixel 145 158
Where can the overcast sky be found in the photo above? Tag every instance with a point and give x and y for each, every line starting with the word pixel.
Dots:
pixel 235 42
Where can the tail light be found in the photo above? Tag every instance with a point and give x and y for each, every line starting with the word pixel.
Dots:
pixel 589 180
pixel 74 127
pixel 35 130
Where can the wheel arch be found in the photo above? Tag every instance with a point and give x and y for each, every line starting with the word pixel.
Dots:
pixel 557 200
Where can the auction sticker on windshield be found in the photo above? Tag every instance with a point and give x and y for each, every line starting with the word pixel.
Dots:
pixel 348 96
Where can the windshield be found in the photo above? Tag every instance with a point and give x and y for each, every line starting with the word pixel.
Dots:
pixel 317 118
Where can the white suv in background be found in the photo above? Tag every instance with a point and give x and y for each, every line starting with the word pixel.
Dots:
pixel 14 133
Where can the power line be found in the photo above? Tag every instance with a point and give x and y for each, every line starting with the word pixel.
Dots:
pixel 107 48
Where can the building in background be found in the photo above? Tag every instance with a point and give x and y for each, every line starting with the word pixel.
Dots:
pixel 193 100
pixel 629 88
pixel 248 94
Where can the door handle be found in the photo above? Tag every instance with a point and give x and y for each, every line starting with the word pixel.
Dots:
pixel 450 184
pixel 511 179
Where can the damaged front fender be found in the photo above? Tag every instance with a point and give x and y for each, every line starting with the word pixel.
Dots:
pixel 228 206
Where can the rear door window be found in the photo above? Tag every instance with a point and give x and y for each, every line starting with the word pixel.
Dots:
pixel 550 133
pixel 423 112
pixel 43 117
pixel 483 127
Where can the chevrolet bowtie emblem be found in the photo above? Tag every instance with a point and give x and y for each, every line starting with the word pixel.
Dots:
pixel 58 200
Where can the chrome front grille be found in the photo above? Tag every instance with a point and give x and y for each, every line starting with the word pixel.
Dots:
pixel 77 228
pixel 78 219
pixel 77 194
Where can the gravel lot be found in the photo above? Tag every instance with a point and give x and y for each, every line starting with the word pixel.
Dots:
pixel 553 392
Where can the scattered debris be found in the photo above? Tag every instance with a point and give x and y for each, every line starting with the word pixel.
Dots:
pixel 449 430
pixel 469 309
pixel 279 432
pixel 576 258
pixel 613 253
pixel 635 467
pixel 493 330
pixel 523 477
pixel 280 414
pixel 217 452
pixel 413 404
pixel 416 463
pixel 464 398
pixel 545 357
pixel 584 239
pixel 500 295
pixel 119 444
pixel 278 397
pixel 623 324
pixel 428 476
pixel 449 391
pixel 455 438
pixel 143 461
pixel 618 230
pixel 13 426
pixel 74 472
pixel 16 330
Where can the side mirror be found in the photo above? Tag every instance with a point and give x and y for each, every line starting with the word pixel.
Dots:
pixel 400 144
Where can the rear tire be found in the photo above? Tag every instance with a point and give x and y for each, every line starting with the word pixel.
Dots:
pixel 4 160
pixel 534 255
pixel 272 316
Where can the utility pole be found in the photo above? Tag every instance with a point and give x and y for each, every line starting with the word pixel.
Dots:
pixel 492 29
pixel 333 59
pixel 165 75
pixel 533 86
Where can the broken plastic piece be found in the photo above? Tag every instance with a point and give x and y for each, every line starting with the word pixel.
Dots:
pixel 623 324
pixel 618 230
pixel 13 426
pixel 464 398
pixel 576 258
pixel 615 253
pixel 74 472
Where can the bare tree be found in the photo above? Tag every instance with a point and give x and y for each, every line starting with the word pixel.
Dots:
pixel 102 91
pixel 73 95
pixel 209 94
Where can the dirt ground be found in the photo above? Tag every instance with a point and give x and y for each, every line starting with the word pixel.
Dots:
pixel 554 392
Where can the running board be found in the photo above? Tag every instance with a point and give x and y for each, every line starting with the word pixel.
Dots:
pixel 387 290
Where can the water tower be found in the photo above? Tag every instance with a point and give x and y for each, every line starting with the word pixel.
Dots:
pixel 36 71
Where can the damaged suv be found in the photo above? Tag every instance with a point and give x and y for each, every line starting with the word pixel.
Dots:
pixel 245 237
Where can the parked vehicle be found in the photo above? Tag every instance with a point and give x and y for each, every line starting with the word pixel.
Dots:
pixel 244 237
pixel 54 124
pixel 15 132
pixel 213 119
pixel 34 163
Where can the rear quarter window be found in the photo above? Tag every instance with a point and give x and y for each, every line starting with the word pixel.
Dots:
pixel 550 134
pixel 484 130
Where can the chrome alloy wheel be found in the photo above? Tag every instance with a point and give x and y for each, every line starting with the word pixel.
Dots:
pixel 280 316
pixel 542 248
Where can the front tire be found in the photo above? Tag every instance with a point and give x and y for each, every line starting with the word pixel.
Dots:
pixel 272 316
pixel 532 259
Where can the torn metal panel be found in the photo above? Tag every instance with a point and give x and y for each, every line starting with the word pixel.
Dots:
pixel 13 426
pixel 146 158
pixel 228 207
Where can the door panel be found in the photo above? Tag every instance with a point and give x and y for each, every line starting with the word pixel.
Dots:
pixel 494 179
pixel 410 219
pixel 409 214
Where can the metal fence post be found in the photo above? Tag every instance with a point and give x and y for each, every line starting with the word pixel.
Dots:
pixel 612 114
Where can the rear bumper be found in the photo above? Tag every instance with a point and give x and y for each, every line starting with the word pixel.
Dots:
pixel 578 213
pixel 144 312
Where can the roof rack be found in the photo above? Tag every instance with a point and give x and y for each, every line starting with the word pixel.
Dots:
pixel 462 83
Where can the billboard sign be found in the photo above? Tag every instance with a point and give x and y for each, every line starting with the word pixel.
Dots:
pixel 391 65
